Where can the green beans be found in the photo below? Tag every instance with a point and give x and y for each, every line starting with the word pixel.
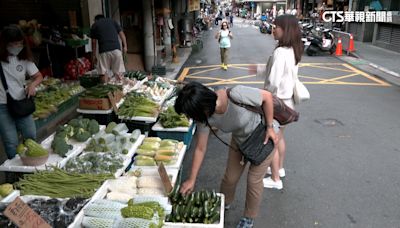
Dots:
pixel 57 183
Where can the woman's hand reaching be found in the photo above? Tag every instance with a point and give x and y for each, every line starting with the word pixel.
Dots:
pixel 30 90
pixel 187 187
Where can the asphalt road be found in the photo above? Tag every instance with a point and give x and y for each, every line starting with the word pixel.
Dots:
pixel 343 157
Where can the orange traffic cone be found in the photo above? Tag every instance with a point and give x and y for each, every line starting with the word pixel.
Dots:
pixel 339 47
pixel 351 44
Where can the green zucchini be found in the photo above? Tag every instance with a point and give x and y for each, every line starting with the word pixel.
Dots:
pixel 214 217
pixel 206 208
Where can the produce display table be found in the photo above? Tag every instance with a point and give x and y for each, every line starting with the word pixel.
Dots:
pixel 15 164
pixel 128 184
pixel 64 107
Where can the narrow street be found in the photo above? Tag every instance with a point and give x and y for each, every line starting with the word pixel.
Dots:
pixel 343 158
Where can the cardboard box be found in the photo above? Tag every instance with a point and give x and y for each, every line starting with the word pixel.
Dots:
pixel 99 103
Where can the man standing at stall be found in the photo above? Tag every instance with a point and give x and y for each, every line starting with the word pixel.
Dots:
pixel 106 32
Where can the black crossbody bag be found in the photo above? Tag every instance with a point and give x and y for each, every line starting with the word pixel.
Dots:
pixel 17 108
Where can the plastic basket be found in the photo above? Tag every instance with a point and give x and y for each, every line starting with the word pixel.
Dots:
pixel 88 81
pixel 144 127
pixel 68 104
pixel 102 119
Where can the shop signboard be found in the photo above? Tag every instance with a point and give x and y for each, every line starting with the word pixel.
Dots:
pixel 193 5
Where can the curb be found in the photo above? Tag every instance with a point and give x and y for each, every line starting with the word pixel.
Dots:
pixel 384 70
pixel 376 66
pixel 372 69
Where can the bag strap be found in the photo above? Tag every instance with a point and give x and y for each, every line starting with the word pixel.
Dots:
pixel 215 134
pixel 242 162
pixel 246 106
pixel 3 79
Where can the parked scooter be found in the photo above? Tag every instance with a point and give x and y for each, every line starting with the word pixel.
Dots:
pixel 319 42
pixel 200 24
pixel 265 27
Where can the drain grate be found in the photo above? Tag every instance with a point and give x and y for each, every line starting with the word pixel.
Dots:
pixel 330 122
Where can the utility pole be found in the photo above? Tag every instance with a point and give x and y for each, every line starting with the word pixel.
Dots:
pixel 148 30
pixel 166 30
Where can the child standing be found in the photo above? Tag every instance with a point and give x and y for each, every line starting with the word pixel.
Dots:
pixel 224 37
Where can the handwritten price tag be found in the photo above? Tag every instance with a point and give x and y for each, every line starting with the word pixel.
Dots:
pixel 23 216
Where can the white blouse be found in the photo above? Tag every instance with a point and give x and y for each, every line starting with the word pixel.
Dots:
pixel 15 72
pixel 280 73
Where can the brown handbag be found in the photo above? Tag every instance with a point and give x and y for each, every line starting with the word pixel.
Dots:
pixel 282 113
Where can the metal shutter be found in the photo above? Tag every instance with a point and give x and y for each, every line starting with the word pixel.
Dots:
pixel 384 33
pixel 395 36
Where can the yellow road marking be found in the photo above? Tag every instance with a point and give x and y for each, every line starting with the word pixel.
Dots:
pixel 183 74
pixel 232 83
pixel 201 67
pixel 203 71
pixel 238 67
pixel 337 78
pixel 345 83
pixel 220 79
pixel 202 77
pixel 314 78
pixel 330 68
pixel 312 64
pixel 319 81
pixel 366 75
pixel 308 83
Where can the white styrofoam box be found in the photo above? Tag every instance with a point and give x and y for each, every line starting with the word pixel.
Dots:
pixel 11 197
pixel 220 224
pixel 154 172
pixel 158 127
pixel 176 165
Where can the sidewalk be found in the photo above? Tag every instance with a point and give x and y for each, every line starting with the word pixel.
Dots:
pixel 174 68
pixel 376 61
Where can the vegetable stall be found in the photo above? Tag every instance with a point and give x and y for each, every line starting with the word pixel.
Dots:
pixel 102 169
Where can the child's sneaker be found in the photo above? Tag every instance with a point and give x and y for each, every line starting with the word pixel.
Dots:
pixel 282 172
pixel 245 223
pixel 269 183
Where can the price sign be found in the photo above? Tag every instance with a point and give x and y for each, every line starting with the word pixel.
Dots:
pixel 111 97
pixel 23 216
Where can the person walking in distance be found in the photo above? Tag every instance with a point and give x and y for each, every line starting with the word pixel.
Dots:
pixel 106 32
pixel 282 68
pixel 224 37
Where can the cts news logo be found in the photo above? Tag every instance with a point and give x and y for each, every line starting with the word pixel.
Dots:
pixel 357 16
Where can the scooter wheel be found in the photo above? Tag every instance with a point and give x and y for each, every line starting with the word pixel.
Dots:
pixel 312 50
pixel 333 49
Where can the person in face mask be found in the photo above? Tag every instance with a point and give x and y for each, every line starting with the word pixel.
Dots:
pixel 16 64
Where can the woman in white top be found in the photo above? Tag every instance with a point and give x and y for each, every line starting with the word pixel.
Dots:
pixel 282 68
pixel 16 63
pixel 224 37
